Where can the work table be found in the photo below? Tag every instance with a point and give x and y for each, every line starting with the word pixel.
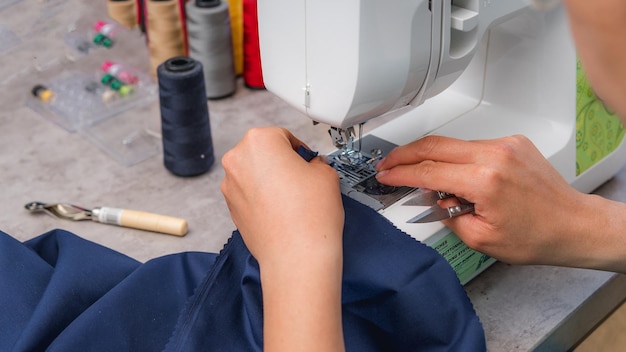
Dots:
pixel 521 307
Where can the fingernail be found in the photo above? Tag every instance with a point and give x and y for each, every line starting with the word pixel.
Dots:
pixel 379 165
pixel 382 173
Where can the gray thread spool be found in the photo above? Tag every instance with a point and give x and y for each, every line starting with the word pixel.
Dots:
pixel 210 42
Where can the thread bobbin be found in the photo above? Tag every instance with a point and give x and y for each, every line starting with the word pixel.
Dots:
pixel 235 8
pixel 209 36
pixel 252 72
pixel 186 129
pixel 123 12
pixel 164 21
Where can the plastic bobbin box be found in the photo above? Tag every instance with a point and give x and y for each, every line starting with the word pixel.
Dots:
pixel 102 106
pixel 86 38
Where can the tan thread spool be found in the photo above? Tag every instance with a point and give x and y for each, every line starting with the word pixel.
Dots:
pixel 123 12
pixel 165 29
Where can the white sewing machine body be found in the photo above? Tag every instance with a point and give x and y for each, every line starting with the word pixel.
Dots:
pixel 470 69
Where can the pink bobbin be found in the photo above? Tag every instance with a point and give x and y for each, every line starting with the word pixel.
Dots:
pixel 128 77
pixel 114 69
pixel 106 65
pixel 105 28
pixel 98 25
pixel 119 72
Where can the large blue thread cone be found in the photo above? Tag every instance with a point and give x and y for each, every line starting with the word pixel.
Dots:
pixel 187 142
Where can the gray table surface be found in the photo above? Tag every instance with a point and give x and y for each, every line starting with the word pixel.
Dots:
pixel 522 307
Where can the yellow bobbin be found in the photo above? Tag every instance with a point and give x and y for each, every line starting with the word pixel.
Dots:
pixel 46 95
pixel 42 93
pixel 125 90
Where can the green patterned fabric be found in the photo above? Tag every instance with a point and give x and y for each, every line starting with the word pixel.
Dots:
pixel 598 130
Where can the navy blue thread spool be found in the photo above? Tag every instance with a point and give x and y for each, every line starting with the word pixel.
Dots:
pixel 187 142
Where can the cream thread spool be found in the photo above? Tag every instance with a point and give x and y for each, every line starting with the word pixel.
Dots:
pixel 165 29
pixel 123 12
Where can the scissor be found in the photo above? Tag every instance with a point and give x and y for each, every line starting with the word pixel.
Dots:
pixel 435 212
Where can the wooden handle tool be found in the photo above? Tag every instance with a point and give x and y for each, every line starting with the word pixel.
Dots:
pixel 141 220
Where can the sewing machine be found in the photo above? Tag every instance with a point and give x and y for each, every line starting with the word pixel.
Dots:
pixel 470 69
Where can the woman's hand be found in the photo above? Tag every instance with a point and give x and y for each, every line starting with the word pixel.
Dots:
pixel 290 215
pixel 525 212
pixel 281 204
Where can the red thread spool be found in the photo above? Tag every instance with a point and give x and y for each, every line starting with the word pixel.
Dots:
pixel 252 73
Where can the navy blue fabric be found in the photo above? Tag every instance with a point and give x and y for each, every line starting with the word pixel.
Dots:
pixel 398 295
pixel 62 293
pixel 305 153
pixel 49 282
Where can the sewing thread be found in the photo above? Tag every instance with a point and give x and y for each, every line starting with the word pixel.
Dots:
pixel 164 21
pixel 235 7
pixel 123 12
pixel 209 35
pixel 185 125
pixel 252 73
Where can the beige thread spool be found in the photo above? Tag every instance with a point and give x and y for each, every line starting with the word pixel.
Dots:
pixel 165 29
pixel 123 12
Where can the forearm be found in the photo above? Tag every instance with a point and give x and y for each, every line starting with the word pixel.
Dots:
pixel 302 302
pixel 596 235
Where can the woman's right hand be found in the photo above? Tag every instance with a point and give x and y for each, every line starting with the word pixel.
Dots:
pixel 525 211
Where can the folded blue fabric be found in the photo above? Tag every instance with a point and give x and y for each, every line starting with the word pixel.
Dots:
pixel 62 293
pixel 59 292
pixel 398 295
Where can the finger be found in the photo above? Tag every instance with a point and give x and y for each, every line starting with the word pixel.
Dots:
pixel 458 223
pixel 468 227
pixel 269 140
pixel 437 148
pixel 320 159
pixel 451 178
pixel 293 140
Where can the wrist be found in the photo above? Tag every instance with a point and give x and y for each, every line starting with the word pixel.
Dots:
pixel 302 300
pixel 595 237
pixel 294 264
pixel 290 248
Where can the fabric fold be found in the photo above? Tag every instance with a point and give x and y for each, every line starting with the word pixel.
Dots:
pixel 398 295
pixel 63 293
